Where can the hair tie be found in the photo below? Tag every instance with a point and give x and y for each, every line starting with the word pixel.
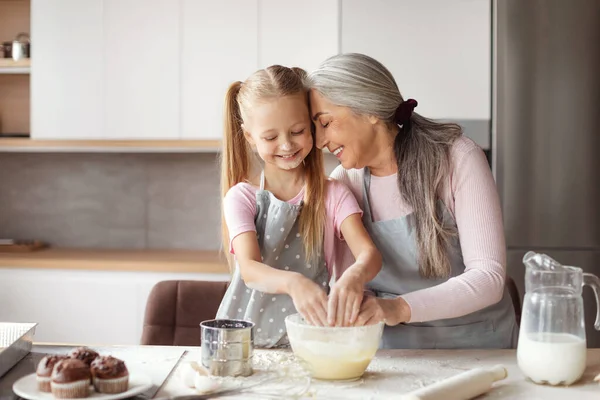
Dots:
pixel 404 111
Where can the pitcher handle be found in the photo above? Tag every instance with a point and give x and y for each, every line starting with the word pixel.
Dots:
pixel 594 282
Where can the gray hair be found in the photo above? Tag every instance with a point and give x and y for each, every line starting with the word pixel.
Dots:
pixel 421 147
pixel 358 82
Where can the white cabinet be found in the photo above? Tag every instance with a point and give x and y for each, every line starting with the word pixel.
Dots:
pixel 89 307
pixel 105 69
pixel 219 46
pixel 297 33
pixel 159 69
pixel 141 61
pixel 439 51
pixel 67 87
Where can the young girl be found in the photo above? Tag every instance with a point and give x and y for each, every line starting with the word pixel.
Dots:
pixel 281 225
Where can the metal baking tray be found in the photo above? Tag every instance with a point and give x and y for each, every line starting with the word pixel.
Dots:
pixel 15 343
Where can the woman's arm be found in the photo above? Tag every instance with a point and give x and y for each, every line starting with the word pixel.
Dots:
pixel 479 220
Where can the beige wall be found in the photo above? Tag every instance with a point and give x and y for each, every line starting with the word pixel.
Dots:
pixel 112 200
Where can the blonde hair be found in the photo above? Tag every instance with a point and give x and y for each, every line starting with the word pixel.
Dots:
pixel 236 157
pixel 421 147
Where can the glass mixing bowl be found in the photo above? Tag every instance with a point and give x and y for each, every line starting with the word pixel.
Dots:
pixel 333 353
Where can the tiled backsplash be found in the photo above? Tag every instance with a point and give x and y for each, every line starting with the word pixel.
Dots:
pixel 94 200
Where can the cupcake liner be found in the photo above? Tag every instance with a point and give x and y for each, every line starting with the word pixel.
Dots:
pixel 111 386
pixel 44 383
pixel 72 390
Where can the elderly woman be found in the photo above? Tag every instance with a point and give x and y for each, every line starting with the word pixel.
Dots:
pixel 430 205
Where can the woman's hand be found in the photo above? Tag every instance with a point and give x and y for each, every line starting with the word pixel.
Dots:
pixel 344 300
pixel 391 311
pixel 395 311
pixel 370 312
pixel 310 300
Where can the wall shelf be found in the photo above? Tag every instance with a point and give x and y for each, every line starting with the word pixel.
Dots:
pixel 180 261
pixel 9 66
pixel 109 146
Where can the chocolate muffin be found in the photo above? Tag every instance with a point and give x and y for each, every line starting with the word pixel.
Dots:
pixel 109 375
pixel 44 371
pixel 70 379
pixel 84 354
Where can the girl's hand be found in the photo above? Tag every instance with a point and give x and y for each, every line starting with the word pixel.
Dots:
pixel 344 300
pixel 347 293
pixel 310 300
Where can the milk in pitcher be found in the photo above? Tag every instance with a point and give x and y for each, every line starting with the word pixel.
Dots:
pixel 554 358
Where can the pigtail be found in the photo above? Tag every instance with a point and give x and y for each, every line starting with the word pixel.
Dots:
pixel 312 216
pixel 235 155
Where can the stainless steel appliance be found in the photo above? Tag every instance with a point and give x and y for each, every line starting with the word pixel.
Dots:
pixel 546 133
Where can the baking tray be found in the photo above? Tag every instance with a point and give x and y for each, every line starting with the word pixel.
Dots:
pixel 15 343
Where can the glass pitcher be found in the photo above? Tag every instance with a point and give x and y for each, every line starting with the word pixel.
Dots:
pixel 552 342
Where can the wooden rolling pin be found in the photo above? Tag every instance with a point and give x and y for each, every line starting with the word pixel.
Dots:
pixel 463 386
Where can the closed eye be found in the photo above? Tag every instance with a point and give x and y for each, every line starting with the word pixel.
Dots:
pixel 325 125
pixel 269 139
pixel 300 132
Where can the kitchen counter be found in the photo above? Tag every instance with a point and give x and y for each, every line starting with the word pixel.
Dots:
pixel 183 261
pixel 395 372
pixel 392 373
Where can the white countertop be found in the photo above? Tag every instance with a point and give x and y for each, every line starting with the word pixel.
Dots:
pixel 394 372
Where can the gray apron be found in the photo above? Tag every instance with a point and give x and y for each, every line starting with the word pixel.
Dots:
pixel 281 247
pixel 491 327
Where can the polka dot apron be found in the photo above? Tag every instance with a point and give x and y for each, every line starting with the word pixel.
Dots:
pixel 281 247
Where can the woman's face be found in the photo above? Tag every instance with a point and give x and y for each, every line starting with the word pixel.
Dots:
pixel 344 133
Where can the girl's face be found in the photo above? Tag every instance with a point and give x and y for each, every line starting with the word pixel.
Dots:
pixel 345 134
pixel 279 129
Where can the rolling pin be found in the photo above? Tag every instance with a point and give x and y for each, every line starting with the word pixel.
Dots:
pixel 463 386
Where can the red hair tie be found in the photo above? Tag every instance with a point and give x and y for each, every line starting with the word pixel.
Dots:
pixel 404 111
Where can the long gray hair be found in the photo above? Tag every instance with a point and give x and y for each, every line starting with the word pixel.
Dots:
pixel 421 146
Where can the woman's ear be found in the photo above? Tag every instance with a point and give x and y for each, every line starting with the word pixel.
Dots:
pixel 373 120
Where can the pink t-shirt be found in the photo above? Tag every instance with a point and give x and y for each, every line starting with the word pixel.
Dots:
pixel 239 207
pixel 471 196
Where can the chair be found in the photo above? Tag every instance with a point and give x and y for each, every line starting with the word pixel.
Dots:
pixel 175 309
pixel 514 295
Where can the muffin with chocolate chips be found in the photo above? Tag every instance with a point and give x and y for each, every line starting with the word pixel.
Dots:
pixel 44 371
pixel 70 379
pixel 84 354
pixel 109 375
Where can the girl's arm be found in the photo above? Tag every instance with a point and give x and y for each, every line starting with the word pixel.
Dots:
pixel 309 299
pixel 239 208
pixel 368 259
pixel 347 293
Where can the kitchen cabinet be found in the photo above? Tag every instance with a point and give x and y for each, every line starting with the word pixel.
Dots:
pixel 141 66
pixel 218 46
pixel 297 33
pixel 70 306
pixel 105 69
pixel 160 69
pixel 439 51
pixel 67 75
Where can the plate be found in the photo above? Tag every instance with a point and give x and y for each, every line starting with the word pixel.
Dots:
pixel 27 388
